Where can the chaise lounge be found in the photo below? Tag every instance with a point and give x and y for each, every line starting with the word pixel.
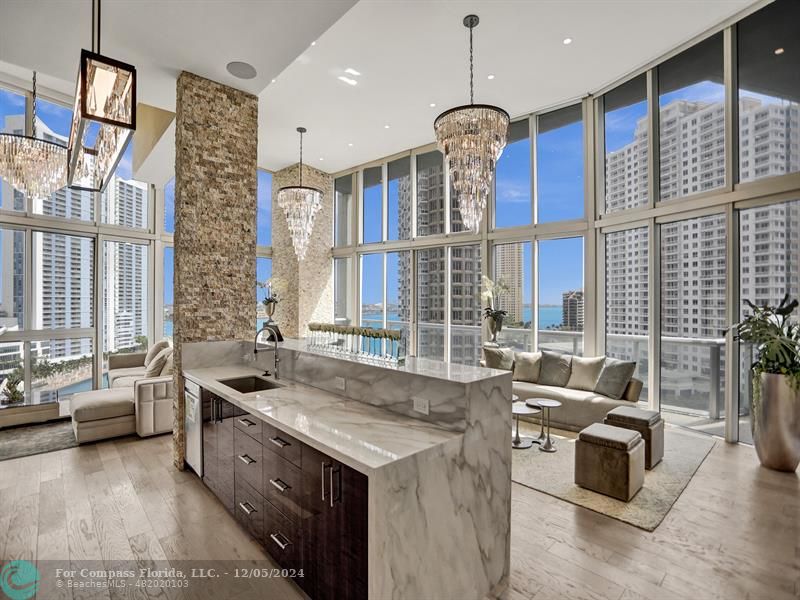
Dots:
pixel 138 399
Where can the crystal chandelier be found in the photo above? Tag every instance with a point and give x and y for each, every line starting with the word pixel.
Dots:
pixel 104 116
pixel 34 166
pixel 472 138
pixel 301 204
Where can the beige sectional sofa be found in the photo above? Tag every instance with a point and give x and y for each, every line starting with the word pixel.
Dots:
pixel 138 399
pixel 588 388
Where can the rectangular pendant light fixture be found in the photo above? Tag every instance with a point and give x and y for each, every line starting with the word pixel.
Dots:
pixel 103 120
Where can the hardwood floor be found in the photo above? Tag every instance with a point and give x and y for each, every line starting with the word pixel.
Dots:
pixel 733 533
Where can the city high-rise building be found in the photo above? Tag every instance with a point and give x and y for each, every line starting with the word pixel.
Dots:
pixel 509 270
pixel 572 310
pixel 692 252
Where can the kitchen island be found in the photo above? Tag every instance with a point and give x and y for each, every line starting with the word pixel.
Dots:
pixel 377 495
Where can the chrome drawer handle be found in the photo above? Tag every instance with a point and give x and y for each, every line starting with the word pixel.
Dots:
pixel 246 459
pixel 282 487
pixel 247 508
pixel 282 545
pixel 279 442
pixel 246 422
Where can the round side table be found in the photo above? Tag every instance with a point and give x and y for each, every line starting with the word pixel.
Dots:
pixel 519 409
pixel 532 403
pixel 546 404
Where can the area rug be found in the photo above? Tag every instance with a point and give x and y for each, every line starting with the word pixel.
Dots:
pixel 35 439
pixel 553 474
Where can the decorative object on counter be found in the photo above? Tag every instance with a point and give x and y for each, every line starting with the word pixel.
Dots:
pixel 301 204
pixel 386 346
pixel 34 166
pixel 775 400
pixel 472 138
pixel 271 298
pixel 104 115
pixel 493 291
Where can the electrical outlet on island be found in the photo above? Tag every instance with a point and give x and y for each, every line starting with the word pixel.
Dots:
pixel 422 405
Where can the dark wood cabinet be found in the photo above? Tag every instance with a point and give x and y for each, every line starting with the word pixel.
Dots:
pixel 307 510
pixel 218 447
pixel 334 527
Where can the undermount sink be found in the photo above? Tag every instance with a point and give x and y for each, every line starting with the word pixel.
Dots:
pixel 246 385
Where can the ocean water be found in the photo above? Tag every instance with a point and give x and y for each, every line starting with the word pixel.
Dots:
pixel 549 316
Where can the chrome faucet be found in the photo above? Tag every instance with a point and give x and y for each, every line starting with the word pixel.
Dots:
pixel 275 336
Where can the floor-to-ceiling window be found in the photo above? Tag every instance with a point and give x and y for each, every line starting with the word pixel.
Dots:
pixel 626 299
pixel 512 205
pixel 560 295
pixel 693 279
pixel 626 146
pixel 769 91
pixel 76 278
pixel 769 269
pixel 618 225
pixel 512 273
pixel 560 165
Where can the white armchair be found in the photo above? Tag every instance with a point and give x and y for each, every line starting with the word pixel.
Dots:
pixel 153 405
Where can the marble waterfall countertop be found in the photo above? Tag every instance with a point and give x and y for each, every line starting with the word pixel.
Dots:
pixel 435 369
pixel 359 435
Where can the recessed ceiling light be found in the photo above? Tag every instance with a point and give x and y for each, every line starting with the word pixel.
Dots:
pixel 433 104
pixel 490 77
pixel 313 43
pixel 352 71
pixel 321 158
pixel 350 144
pixel 347 80
pixel 779 51
pixel 273 81
pixel 567 41
pixel 386 127
pixel 241 70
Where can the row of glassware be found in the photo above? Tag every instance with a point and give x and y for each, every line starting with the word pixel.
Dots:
pixel 368 343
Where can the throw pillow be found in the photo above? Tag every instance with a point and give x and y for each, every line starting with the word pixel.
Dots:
pixel 614 377
pixel 168 366
pixel 555 369
pixel 585 372
pixel 499 358
pixel 157 364
pixel 527 366
pixel 154 350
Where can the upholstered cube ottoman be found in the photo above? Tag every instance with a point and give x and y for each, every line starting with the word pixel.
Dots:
pixel 610 460
pixel 648 423
pixel 102 414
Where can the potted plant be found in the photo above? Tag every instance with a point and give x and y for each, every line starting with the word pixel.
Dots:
pixel 270 300
pixel 775 401
pixel 492 291
pixel 494 318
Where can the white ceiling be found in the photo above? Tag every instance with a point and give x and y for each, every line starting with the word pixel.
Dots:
pixel 410 53
pixel 413 53
pixel 163 37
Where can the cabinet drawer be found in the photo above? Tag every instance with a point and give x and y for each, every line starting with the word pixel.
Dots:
pixel 281 444
pixel 247 459
pixel 283 485
pixel 249 510
pixel 249 424
pixel 282 538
